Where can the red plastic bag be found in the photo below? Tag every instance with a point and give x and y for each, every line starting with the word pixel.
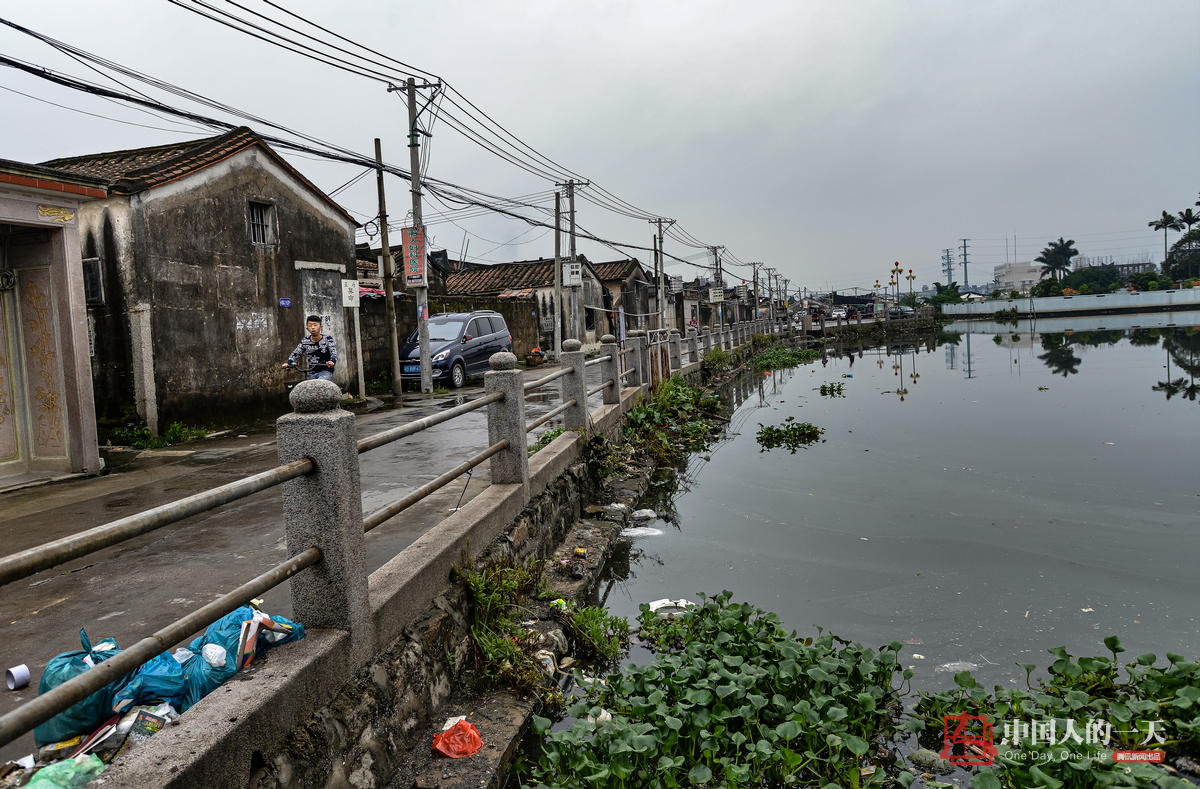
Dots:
pixel 461 739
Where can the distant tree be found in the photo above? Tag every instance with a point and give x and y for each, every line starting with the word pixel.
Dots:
pixel 1167 221
pixel 1059 356
pixel 1184 258
pixel 1170 388
pixel 1188 217
pixel 1056 258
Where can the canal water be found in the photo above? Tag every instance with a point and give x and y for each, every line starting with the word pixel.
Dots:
pixel 980 497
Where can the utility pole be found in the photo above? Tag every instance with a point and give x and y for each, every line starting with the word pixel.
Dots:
pixel 966 284
pixel 654 261
pixel 386 273
pixel 557 275
pixel 948 266
pixel 786 307
pixel 720 283
pixel 754 267
pixel 414 158
pixel 771 296
pixel 660 271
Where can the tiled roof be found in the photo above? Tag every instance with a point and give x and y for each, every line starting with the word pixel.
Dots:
pixel 139 169
pixel 42 177
pixel 499 277
pixel 616 269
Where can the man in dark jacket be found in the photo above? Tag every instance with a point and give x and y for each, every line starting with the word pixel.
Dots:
pixel 318 349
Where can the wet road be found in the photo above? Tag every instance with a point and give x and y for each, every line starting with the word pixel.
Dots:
pixel 130 590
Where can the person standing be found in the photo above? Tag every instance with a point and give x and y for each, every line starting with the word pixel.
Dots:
pixel 319 349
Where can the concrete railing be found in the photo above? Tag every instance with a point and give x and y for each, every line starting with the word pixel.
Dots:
pixel 322 501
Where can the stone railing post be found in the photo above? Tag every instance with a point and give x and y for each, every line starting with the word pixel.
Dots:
pixel 708 341
pixel 676 348
pixel 693 347
pixel 506 420
pixel 633 343
pixel 574 387
pixel 727 339
pixel 324 509
pixel 611 370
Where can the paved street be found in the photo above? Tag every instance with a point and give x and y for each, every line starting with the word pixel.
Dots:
pixel 130 590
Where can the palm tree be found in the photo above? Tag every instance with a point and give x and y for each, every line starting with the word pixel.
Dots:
pixel 1189 217
pixel 1169 387
pixel 1056 258
pixel 1167 221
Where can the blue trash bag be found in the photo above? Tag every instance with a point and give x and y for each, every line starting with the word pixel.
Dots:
pixel 227 630
pixel 159 678
pixel 201 677
pixel 84 716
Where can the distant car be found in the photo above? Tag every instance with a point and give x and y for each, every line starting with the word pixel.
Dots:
pixel 460 344
pixel 838 312
pixel 901 311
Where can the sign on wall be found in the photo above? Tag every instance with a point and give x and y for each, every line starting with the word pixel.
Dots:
pixel 572 274
pixel 414 257
pixel 716 295
pixel 349 293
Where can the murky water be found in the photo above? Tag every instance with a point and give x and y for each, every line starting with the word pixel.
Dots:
pixel 980 501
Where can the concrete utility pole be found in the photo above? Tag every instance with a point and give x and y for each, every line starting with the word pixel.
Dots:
pixel 557 275
pixel 414 158
pixel 386 273
pixel 657 283
pixel 660 276
pixel 719 283
pixel 576 330
pixel 754 267
pixel 966 284
pixel 771 297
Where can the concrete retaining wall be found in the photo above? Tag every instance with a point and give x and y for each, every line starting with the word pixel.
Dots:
pixel 1122 300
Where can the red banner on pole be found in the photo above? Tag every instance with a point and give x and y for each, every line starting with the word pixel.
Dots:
pixel 414 257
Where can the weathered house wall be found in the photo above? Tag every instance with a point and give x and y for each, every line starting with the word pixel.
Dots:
pixel 195 317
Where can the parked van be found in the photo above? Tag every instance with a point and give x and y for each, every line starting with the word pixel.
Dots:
pixel 460 344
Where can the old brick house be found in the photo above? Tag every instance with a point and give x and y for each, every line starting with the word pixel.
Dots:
pixel 200 267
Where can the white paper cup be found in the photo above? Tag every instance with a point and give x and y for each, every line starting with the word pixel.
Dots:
pixel 17 677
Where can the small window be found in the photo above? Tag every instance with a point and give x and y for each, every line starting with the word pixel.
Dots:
pixel 93 282
pixel 262 223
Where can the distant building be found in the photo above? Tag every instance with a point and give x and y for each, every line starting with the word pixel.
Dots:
pixel 1125 269
pixel 203 261
pixel 1017 276
pixel 630 289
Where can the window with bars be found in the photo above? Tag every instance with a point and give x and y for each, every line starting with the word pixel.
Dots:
pixel 262 223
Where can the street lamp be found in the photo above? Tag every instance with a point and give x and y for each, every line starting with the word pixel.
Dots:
pixel 910 277
pixel 896 272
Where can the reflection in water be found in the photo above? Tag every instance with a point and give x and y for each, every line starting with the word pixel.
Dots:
pixel 1059 356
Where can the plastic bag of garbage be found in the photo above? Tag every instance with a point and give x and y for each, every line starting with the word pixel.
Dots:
pixel 245 630
pixel 204 673
pixel 461 739
pixel 84 716
pixel 159 678
pixel 67 774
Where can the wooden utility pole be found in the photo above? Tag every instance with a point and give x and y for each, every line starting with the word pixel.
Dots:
pixel 557 275
pixel 414 158
pixel 386 272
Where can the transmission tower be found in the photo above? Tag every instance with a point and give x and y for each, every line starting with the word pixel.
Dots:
pixel 948 265
pixel 966 284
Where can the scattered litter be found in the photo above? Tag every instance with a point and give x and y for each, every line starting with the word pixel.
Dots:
pixel 865 539
pixel 581 552
pixel 461 739
pixel 1109 444
pixel 864 772
pixel 451 721
pixel 956 666
pixel 604 717
pixel 1087 610
pixel 641 531
pixel 16 677
pixel 665 607
pixel 529 623
pixel 559 603
pixel 242 435
pixel 67 773
pixel 1026 614
pixel 566 663
pixel 616 507
pixel 918 657
pixel 643 515
pixel 547 662
pixel 913 639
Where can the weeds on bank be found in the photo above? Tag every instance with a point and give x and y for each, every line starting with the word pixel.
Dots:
pixel 1079 692
pixel 502 651
pixel 780 358
pixel 731 699
pixel 716 361
pixel 137 435
pixel 790 434
pixel 596 634
pixel 832 390
pixel 761 341
pixel 676 419
pixel 545 438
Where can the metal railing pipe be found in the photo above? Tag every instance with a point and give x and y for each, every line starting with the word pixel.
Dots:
pixel 49 704
pixel 546 417
pixel 597 360
pixel 396 433
pixel 599 388
pixel 547 379
pixel 396 507
pixel 25 563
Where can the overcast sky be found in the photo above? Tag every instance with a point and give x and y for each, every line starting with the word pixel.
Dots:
pixel 826 139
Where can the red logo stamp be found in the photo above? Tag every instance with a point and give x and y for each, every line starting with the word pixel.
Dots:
pixel 967 739
pixel 1154 757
